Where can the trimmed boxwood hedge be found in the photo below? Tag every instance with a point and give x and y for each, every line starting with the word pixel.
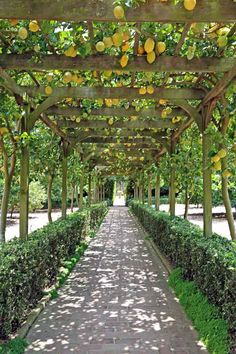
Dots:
pixel 27 268
pixel 210 262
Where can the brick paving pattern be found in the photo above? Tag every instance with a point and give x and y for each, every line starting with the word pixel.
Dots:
pixel 116 300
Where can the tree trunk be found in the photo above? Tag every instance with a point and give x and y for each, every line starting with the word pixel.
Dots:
pixel 72 198
pixel 186 206
pixel 89 189
pixel 150 193
pixel 172 181
pixel 77 195
pixel 49 192
pixel 4 207
pixel 24 192
pixel 81 190
pixel 157 193
pixel 226 200
pixel 64 187
pixel 207 186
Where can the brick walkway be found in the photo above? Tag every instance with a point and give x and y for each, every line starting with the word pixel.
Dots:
pixel 116 300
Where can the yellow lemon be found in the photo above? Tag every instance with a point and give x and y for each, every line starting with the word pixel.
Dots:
pixel 33 26
pixel 142 90
pixel 71 52
pixel 50 77
pixel 125 47
pixel 215 158
pixel 217 166
pixel 141 50
pixel 124 60
pixel 160 47
pixel 117 39
pixel 151 57
pixel 162 102
pixel 222 153
pixel 226 174
pixel 100 46
pixel 48 90
pixel 150 89
pixel 23 33
pixel 119 12
pixel 149 45
pixel 3 130
pixel 108 42
pixel 190 4
pixel 67 77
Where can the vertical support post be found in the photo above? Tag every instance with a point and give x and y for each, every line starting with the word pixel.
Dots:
pixel 207 185
pixel 89 189
pixel 150 192
pixel 172 181
pixel 103 191
pixel 64 167
pixel 81 189
pixel 24 180
pixel 157 192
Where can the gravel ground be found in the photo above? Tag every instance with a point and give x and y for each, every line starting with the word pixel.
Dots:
pixel 39 219
pixel 36 221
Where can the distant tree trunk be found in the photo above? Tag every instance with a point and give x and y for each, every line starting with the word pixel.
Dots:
pixel 89 189
pixel 4 207
pixel 157 192
pixel 77 195
pixel 50 180
pixel 72 198
pixel 81 190
pixel 226 200
pixel 186 206
pixel 64 187
pixel 150 193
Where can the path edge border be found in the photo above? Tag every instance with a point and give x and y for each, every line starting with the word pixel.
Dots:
pixel 153 247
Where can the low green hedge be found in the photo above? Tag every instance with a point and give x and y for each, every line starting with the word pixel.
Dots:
pixel 210 262
pixel 27 268
pixel 213 330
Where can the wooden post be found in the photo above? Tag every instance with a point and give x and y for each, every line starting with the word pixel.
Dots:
pixel 89 189
pixel 207 185
pixel 172 181
pixel 150 192
pixel 81 189
pixel 64 167
pixel 157 192
pixel 49 194
pixel 103 191
pixel 24 180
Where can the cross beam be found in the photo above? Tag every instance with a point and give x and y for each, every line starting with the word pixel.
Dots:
pixel 97 10
pixel 115 92
pixel 113 112
pixel 107 62
pixel 102 124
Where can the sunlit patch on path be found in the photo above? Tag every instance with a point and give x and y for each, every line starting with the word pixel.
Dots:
pixel 117 300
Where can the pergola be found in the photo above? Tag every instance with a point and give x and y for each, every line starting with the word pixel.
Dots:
pixel 130 131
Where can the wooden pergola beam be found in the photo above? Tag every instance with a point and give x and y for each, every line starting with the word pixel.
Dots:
pixel 118 134
pixel 113 112
pixel 107 62
pixel 220 86
pixel 115 92
pixel 94 10
pixel 112 140
pixel 102 124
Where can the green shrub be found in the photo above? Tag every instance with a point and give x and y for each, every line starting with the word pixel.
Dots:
pixel 210 262
pixel 37 195
pixel 212 329
pixel 27 268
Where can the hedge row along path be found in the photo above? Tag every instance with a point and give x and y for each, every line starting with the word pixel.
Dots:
pixel 117 300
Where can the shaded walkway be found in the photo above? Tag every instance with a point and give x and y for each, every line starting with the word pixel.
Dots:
pixel 116 301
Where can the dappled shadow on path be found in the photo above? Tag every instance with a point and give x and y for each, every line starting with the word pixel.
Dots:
pixel 116 301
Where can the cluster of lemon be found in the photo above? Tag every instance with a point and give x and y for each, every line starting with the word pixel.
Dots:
pixel 216 160
pixel 149 89
pixel 68 77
